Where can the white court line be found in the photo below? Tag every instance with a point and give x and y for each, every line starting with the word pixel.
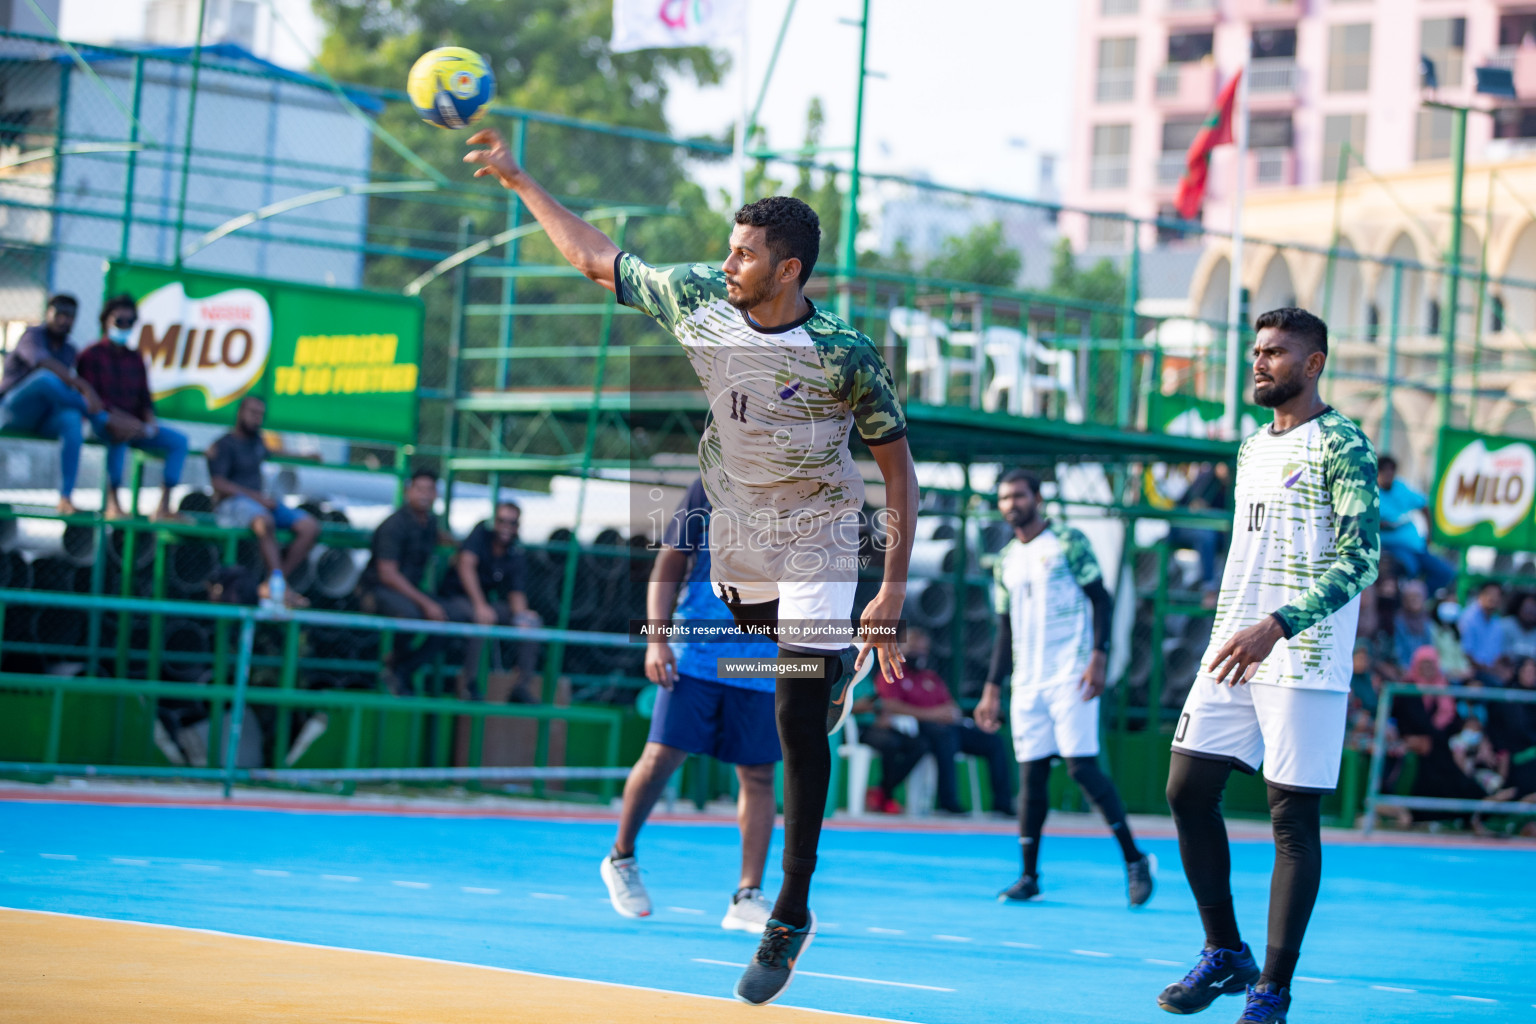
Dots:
pixel 1475 999
pixel 886 931
pixel 1394 988
pixel 954 938
pixel 547 895
pixel 686 910
pixel 412 885
pixel 480 891
pixel 1317 981
pixel 58 856
pixel 836 977
pixel 1176 963
pixel 1092 952
pixel 271 872
pixel 1021 945
pixel 341 878
pixel 133 862
pixel 201 867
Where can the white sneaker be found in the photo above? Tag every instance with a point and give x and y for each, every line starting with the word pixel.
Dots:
pixel 749 912
pixel 625 890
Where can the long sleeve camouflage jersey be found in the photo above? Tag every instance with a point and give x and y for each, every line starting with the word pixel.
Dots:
pixel 1305 543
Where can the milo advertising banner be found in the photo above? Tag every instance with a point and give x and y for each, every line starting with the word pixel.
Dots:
pixel 1483 491
pixel 327 361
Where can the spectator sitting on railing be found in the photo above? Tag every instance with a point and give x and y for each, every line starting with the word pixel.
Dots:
pixel 922 694
pixel 116 373
pixel 1399 537
pixel 41 394
pixel 403 547
pixel 234 468
pixel 488 584
pixel 1482 638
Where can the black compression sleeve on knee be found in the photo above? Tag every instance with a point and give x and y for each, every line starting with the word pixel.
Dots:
pixel 800 706
pixel 1101 792
pixel 1297 822
pixel 1195 785
pixel 1034 804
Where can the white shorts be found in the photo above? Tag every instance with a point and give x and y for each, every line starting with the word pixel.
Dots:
pixel 1053 721
pixel 1297 735
pixel 810 606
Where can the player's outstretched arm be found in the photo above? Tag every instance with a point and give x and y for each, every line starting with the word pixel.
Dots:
pixel 900 476
pixel 584 246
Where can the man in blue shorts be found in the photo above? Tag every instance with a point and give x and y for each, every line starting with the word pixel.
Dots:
pixel 698 712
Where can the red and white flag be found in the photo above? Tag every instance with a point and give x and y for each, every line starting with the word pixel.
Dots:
pixel 1216 131
pixel 643 24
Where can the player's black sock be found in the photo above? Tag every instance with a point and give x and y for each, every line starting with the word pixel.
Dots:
pixel 1195 785
pixel 801 708
pixel 1034 805
pixel 1101 792
pixel 1297 822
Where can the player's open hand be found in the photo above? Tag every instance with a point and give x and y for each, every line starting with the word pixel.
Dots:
pixel 1093 677
pixel 989 709
pixel 660 664
pixel 882 614
pixel 1239 657
pixel 495 158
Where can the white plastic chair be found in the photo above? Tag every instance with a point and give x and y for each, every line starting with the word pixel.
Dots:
pixel 859 759
pixel 922 784
pixel 932 348
pixel 1013 355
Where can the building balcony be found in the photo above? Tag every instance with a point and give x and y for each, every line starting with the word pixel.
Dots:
pixel 1273 76
pixel 1266 10
pixel 1170 168
pixel 1191 86
pixel 1519 60
pixel 1109 173
pixel 1271 168
pixel 1113 8
pixel 1115 85
pixel 1191 12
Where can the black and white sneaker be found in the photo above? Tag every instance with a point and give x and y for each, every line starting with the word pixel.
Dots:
pixel 1027 888
pixel 1139 878
pixel 840 702
pixel 1220 972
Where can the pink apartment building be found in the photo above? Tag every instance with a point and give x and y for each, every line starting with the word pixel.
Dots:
pixel 1322 73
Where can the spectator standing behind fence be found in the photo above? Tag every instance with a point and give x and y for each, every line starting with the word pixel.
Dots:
pixel 922 694
pixel 1399 537
pixel 116 373
pixel 1482 638
pixel 403 547
pixel 41 394
pixel 1210 492
pixel 488 584
pixel 234 469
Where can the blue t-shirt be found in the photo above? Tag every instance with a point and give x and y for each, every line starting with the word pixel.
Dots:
pixel 1398 503
pixel 689 531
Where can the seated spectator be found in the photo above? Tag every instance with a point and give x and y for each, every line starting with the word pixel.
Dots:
pixel 41 394
pixel 1518 628
pixel 1427 724
pixel 1364 702
pixel 899 751
pixel 402 548
pixel 921 694
pixel 1399 537
pixel 1209 492
pixel 1512 731
pixel 234 469
pixel 488 584
pixel 1482 638
pixel 116 373
pixel 1416 627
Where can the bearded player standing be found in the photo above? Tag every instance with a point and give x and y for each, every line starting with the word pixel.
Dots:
pixel 786 384
pixel 1275 685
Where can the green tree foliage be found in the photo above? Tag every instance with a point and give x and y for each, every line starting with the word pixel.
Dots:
pixel 1102 283
pixel 980 256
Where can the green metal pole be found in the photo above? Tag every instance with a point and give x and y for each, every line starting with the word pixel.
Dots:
pixel 511 258
pixel 1125 393
pixel 133 157
pixel 1482 302
pixel 773 62
pixel 1453 264
pixel 962 567
pixel 455 344
pixel 850 240
pixel 186 147
pixel 1378 757
pixel 1393 330
pixel 237 709
pixel 1337 233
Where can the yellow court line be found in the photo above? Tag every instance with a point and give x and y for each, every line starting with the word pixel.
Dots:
pixel 65 969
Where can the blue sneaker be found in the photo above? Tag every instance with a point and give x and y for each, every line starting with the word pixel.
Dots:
pixel 1220 972
pixel 1267 1004
pixel 773 967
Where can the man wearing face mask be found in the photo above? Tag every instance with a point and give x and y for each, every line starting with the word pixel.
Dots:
pixel 114 368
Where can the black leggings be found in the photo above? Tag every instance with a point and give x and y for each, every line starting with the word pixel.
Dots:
pixel 1034 803
pixel 1195 786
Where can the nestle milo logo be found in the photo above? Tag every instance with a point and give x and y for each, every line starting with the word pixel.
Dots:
pixel 217 345
pixel 1482 486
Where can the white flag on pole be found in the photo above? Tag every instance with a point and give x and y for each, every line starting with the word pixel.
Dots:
pixel 642 24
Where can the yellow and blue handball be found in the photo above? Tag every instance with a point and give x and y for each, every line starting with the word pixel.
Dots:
pixel 451 86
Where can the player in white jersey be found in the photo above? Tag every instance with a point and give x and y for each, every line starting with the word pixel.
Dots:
pixel 787 384
pixel 1275 684
pixel 1053 616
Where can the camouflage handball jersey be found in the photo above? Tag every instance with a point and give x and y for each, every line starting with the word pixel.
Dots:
pixel 782 402
pixel 1305 543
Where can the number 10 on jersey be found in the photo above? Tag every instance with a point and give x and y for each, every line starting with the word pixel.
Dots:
pixel 1255 516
